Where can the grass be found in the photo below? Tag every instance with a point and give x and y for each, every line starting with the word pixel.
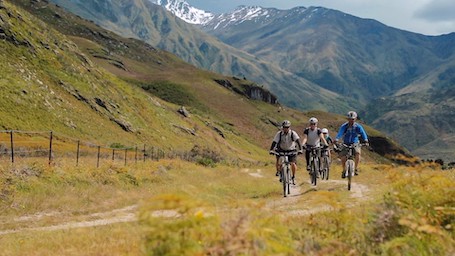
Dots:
pixel 226 210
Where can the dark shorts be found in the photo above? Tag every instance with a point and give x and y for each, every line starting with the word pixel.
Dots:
pixel 292 159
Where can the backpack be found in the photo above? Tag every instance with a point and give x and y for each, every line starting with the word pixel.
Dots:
pixel 281 135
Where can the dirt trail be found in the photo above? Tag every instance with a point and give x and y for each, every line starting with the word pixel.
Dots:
pixel 129 213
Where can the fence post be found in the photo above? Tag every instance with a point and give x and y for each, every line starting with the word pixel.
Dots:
pixel 50 149
pixel 12 146
pixel 98 157
pixel 77 152
pixel 135 156
pixel 113 154
pixel 144 153
pixel 126 152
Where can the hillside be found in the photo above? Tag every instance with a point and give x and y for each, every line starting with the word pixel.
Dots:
pixel 49 83
pixel 90 84
pixel 421 115
pixel 402 80
pixel 154 25
pixel 360 58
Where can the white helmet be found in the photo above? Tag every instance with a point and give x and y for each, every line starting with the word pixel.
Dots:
pixel 286 123
pixel 313 120
pixel 352 115
pixel 324 130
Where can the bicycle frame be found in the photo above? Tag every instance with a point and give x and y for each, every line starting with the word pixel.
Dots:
pixel 314 162
pixel 349 166
pixel 285 170
pixel 325 163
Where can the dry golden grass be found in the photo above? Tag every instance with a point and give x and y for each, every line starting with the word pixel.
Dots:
pixel 142 209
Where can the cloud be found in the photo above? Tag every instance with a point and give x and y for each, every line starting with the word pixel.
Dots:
pixel 437 10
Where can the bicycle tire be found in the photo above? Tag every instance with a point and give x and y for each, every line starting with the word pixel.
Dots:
pixel 283 179
pixel 288 177
pixel 314 172
pixel 326 167
pixel 350 171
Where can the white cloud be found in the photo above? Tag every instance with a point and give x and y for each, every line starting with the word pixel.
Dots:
pixel 437 10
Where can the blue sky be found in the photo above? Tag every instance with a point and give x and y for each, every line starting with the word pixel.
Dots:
pixel 429 17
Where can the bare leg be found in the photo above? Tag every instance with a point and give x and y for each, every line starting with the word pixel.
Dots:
pixel 343 162
pixel 293 168
pixel 357 160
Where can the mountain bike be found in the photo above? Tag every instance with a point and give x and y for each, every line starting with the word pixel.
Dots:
pixel 325 163
pixel 349 166
pixel 285 170
pixel 314 162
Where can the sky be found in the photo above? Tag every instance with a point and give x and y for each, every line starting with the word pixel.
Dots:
pixel 428 17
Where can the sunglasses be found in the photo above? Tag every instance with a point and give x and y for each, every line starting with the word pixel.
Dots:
pixel 313 124
pixel 286 127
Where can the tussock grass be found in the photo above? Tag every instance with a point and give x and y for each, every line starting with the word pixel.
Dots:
pixel 190 209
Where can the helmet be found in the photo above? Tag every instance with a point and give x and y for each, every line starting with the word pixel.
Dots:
pixel 286 123
pixel 352 115
pixel 324 130
pixel 313 120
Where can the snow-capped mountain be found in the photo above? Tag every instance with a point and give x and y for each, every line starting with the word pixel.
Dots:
pixel 255 14
pixel 185 11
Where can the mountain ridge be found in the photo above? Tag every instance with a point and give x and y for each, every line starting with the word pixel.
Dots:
pixel 95 85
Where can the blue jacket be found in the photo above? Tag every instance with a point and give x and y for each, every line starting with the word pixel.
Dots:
pixel 351 134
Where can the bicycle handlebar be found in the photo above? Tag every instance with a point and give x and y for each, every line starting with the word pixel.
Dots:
pixel 284 153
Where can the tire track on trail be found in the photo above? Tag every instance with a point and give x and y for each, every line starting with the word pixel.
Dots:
pixel 129 213
pixel 358 192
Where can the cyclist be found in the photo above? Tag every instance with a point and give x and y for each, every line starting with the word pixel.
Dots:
pixel 284 141
pixel 312 137
pixel 327 138
pixel 350 132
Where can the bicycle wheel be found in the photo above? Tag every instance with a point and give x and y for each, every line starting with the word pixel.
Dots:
pixel 288 178
pixel 284 179
pixel 314 172
pixel 326 168
pixel 349 171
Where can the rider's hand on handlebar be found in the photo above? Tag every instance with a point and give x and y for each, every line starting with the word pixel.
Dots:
pixel 272 152
pixel 299 152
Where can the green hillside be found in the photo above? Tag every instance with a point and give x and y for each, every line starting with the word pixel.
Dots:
pixel 95 85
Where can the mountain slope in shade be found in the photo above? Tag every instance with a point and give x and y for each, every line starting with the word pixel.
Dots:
pixel 360 58
pixel 154 25
pixel 421 116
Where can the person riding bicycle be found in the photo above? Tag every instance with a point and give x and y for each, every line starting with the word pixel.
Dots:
pixel 286 140
pixel 328 139
pixel 312 137
pixel 350 132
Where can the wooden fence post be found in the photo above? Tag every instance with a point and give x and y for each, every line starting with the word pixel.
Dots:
pixel 77 152
pixel 50 149
pixel 98 158
pixel 12 146
pixel 135 156
pixel 126 152
pixel 144 153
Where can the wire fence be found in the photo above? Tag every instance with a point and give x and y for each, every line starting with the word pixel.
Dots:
pixel 16 145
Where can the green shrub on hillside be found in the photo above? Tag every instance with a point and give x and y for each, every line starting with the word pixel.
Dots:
pixel 171 92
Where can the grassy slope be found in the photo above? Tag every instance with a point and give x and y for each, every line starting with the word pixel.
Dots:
pixel 389 211
pixel 48 83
